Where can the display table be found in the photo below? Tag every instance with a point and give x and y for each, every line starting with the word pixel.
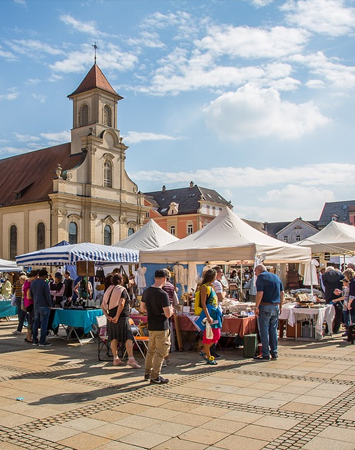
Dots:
pixel 231 324
pixel 293 314
pixel 6 310
pixel 71 319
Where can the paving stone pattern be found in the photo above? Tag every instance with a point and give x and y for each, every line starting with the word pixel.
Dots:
pixel 319 399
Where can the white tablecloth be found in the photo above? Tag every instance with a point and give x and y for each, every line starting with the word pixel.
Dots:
pixel 324 314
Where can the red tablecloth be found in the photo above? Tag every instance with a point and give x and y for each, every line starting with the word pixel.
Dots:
pixel 234 325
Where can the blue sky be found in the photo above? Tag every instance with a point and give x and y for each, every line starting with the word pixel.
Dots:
pixel 253 98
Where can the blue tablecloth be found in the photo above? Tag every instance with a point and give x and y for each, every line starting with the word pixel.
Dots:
pixel 77 318
pixel 6 309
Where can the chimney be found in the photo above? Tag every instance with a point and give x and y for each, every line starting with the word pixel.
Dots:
pixel 163 189
pixel 191 184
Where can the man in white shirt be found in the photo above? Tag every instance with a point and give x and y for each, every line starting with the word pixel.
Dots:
pixel 217 284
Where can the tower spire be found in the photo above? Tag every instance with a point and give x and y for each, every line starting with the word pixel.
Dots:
pixel 95 47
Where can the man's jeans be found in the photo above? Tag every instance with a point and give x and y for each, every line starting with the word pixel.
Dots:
pixel 41 317
pixel 158 349
pixel 267 322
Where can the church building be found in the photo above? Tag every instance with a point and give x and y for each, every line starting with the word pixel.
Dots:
pixel 78 191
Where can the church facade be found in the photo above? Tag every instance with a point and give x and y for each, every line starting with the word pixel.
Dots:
pixel 78 191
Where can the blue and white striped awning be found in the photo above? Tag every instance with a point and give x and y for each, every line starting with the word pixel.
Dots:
pixel 70 254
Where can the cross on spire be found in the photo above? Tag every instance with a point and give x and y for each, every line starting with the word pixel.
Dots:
pixel 95 47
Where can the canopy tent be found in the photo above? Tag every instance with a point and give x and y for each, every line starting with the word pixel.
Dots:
pixel 9 266
pixel 227 239
pixel 338 238
pixel 151 235
pixel 69 254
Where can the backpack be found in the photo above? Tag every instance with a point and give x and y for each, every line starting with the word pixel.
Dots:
pixel 198 307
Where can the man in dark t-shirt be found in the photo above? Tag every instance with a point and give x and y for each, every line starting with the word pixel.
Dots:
pixel 157 305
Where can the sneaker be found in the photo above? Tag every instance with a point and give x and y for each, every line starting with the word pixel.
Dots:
pixel 159 380
pixel 16 332
pixel 216 355
pixel 261 358
pixel 211 361
pixel 134 364
pixel 117 362
pixel 274 357
pixel 46 344
pixel 146 376
pixel 35 342
pixel 164 363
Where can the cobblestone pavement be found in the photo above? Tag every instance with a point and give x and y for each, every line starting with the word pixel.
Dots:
pixel 63 398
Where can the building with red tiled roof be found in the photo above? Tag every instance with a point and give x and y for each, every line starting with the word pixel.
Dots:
pixel 78 191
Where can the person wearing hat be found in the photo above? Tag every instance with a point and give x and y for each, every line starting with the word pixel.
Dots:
pixel 157 305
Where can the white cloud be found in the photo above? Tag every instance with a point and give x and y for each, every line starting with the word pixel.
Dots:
pixel 311 175
pixel 39 97
pixel 250 43
pixel 336 74
pixel 251 112
pixel 20 2
pixel 83 27
pixel 26 138
pixel 7 55
pixel 329 17
pixel 57 138
pixel 33 48
pixel 12 94
pixel 315 84
pixel 260 3
pixel 134 137
pixel 32 81
pixel 111 58
pixel 147 39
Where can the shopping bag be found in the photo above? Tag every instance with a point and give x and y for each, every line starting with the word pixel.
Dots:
pixel 13 300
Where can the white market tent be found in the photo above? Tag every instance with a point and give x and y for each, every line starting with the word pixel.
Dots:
pixel 70 254
pixel 338 238
pixel 9 266
pixel 227 239
pixel 151 235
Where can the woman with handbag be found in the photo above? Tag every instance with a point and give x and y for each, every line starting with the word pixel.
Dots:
pixel 28 303
pixel 115 306
pixel 211 313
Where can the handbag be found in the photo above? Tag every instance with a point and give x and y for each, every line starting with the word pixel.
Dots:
pixel 113 311
pixel 13 300
pixel 209 332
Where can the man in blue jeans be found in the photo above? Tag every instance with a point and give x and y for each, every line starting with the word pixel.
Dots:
pixel 42 303
pixel 269 299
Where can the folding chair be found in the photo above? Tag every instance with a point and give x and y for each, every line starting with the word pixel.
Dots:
pixel 103 341
pixel 140 339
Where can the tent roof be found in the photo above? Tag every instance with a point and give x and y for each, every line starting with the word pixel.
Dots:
pixel 69 254
pixel 151 235
pixel 9 266
pixel 227 238
pixel 336 238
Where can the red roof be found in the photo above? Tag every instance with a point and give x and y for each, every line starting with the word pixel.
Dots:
pixel 95 79
pixel 28 178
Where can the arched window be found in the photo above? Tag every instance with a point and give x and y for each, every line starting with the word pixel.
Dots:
pixel 13 241
pixel 107 116
pixel 41 236
pixel 130 231
pixel 107 174
pixel 107 235
pixel 73 233
pixel 84 115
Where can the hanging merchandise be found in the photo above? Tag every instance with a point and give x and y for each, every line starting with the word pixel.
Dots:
pixel 140 279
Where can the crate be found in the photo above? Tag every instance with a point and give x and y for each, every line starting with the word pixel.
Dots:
pixel 290 331
pixel 250 344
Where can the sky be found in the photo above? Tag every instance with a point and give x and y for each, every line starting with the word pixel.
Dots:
pixel 252 98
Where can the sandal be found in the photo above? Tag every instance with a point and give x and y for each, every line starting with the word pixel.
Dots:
pixel 211 361
pixel 134 364
pixel 26 340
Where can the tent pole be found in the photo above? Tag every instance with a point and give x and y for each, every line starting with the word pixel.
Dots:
pixel 310 266
pixel 241 281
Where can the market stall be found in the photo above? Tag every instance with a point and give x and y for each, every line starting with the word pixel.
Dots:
pixel 6 309
pixel 78 316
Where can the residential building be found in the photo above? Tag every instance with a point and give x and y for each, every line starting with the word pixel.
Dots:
pixel 343 212
pixel 184 211
pixel 292 232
